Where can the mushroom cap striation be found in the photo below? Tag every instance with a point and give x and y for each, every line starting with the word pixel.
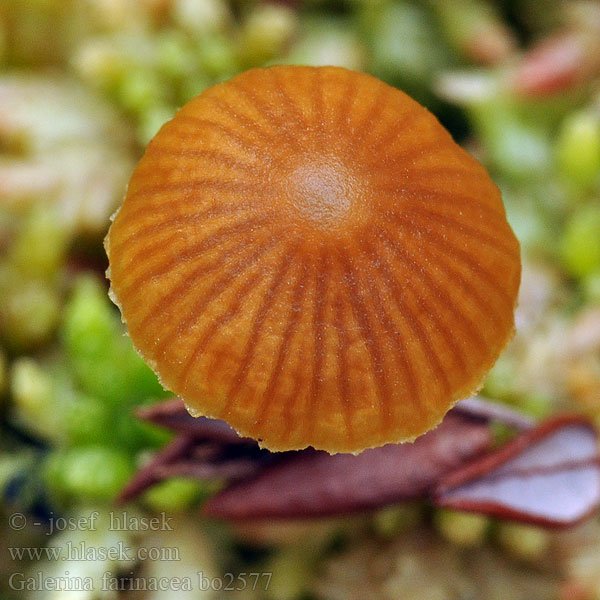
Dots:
pixel 306 253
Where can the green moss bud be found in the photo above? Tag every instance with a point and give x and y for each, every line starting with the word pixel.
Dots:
pixel 580 243
pixel 101 63
pixel 578 148
pixel 217 55
pixel 200 16
pixel 474 28
pixel 140 90
pixel 40 246
pixel 516 145
pixel 499 383
pixel 133 434
pixel 94 473
pixel 524 542
pixel 174 54
pixel 151 121
pixel 3 372
pixel 292 569
pixel 29 313
pixel 2 39
pixel 89 325
pixel 192 86
pixel 461 528
pixel 393 520
pixel 178 494
pixel 402 49
pixel 328 42
pixel 591 288
pixel 87 421
pixel 265 32
pixel 103 358
pixel 31 391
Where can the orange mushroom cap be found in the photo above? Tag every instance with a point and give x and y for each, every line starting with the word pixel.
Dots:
pixel 306 253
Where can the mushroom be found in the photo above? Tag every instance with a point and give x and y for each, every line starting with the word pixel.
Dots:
pixel 307 254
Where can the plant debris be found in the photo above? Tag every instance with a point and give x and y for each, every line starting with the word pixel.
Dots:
pixel 311 483
pixel 308 482
pixel 549 476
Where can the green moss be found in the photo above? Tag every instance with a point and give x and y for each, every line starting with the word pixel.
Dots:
pixel 93 473
pixel 178 494
pixel 580 243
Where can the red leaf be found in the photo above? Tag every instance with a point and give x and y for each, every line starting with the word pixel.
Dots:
pixel 549 476
pixel 173 415
pixel 146 476
pixel 312 483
